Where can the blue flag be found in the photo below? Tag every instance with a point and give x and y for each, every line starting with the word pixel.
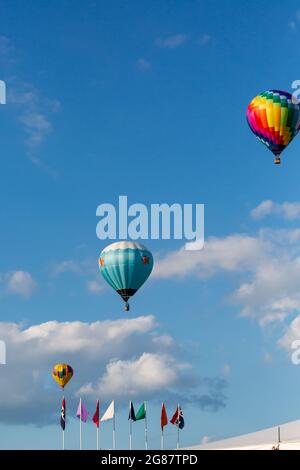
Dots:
pixel 131 412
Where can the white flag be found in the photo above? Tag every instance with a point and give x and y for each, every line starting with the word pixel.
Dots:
pixel 109 413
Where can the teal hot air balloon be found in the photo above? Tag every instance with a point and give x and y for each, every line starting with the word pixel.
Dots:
pixel 125 266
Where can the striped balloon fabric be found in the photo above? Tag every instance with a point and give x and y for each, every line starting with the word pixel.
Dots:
pixel 275 119
pixel 126 266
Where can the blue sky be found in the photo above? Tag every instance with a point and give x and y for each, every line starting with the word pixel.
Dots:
pixel 146 99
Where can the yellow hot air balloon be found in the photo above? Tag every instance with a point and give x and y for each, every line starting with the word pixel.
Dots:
pixel 62 374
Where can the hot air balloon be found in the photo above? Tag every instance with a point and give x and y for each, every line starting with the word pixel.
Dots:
pixel 274 117
pixel 125 266
pixel 62 374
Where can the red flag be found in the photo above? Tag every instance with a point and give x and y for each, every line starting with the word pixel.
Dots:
pixel 177 418
pixel 96 415
pixel 164 418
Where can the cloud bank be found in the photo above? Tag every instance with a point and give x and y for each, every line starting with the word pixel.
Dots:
pixel 118 359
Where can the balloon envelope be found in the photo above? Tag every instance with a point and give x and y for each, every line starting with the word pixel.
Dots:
pixel 125 266
pixel 62 374
pixel 275 119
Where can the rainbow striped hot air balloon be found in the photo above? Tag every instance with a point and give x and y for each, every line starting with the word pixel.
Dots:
pixel 125 266
pixel 274 117
pixel 62 374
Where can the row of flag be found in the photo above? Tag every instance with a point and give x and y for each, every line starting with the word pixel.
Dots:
pixel 141 414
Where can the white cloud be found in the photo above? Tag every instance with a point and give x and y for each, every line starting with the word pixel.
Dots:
pixel 95 286
pixel 291 334
pixel 232 253
pixel 292 25
pixel 171 42
pixel 44 166
pixel 266 268
pixel 36 122
pixel 150 373
pixel 287 210
pixel 281 236
pixel 226 370
pixel 204 39
pixel 164 340
pixel 273 293
pixel 263 209
pixel 20 283
pixel 143 64
pixel 35 115
pixel 121 357
pixel 89 339
pixel 37 126
pixel 66 266
pixel 83 266
pixel 86 268
pixel 267 358
pixel 22 98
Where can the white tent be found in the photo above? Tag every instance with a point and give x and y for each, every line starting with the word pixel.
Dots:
pixel 283 437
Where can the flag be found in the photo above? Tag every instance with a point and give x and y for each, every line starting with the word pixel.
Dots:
pixel 109 413
pixel 63 414
pixel 131 412
pixel 83 412
pixel 141 413
pixel 96 415
pixel 177 418
pixel 163 418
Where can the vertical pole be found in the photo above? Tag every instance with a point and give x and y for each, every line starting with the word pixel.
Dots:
pixel 63 431
pixel 279 434
pixel 98 425
pixel 80 425
pixel 130 433
pixel 162 431
pixel 114 433
pixel 178 415
pixel 146 427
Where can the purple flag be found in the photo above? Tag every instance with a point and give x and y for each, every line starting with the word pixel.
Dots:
pixel 84 412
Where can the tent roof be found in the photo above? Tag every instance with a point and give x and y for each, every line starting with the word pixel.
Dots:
pixel 260 440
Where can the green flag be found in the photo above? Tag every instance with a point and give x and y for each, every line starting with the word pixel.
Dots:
pixel 141 413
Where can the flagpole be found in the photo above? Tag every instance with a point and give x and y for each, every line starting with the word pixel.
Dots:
pixel 162 431
pixel 130 427
pixel 80 425
pixel 146 428
pixel 114 432
pixel 97 422
pixel 63 431
pixel 98 427
pixel 178 416
pixel 130 434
